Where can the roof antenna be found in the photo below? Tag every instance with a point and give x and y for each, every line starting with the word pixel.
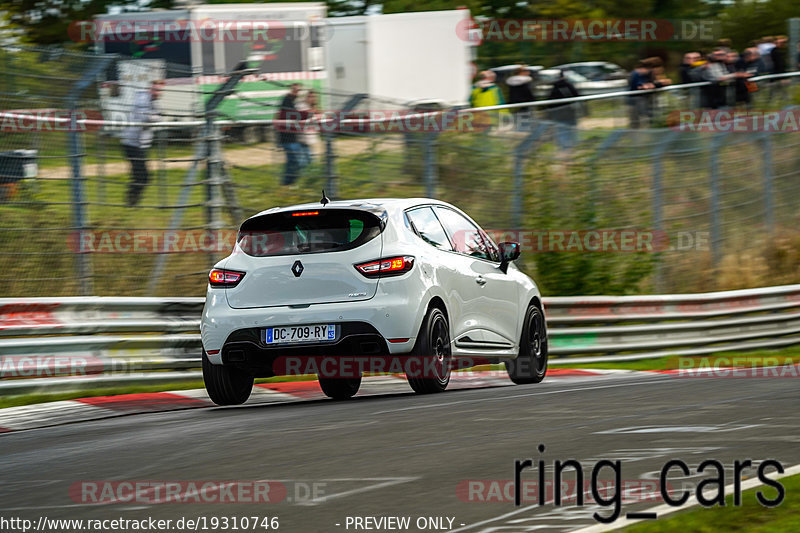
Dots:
pixel 325 200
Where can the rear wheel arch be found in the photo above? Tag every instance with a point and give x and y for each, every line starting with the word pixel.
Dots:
pixel 437 302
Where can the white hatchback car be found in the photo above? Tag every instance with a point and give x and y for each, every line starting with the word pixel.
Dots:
pixel 414 282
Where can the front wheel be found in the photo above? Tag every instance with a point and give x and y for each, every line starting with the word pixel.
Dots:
pixel 432 353
pixel 226 385
pixel 531 364
pixel 340 388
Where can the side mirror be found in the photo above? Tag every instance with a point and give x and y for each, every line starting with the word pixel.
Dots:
pixel 509 251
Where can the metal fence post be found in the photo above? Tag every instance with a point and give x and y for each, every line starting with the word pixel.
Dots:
pixel 83 264
pixel 101 167
pixel 716 230
pixel 794 40
pixel 331 188
pixel 331 180
pixel 769 205
pixel 658 202
pixel 521 152
pixel 161 141
pixel 429 171
pixel 213 178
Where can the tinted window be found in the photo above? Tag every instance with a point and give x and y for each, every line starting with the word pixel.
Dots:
pixel 429 228
pixel 281 51
pixel 207 50
pixel 306 232
pixel 466 237
pixel 174 52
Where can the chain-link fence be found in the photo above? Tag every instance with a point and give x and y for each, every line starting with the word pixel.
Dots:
pixel 598 207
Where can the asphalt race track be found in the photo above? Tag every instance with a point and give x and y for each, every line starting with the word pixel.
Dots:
pixel 407 455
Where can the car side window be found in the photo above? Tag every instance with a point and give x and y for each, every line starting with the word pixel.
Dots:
pixel 465 236
pixel 429 228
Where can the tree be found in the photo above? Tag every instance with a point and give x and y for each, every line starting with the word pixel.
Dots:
pixel 746 21
pixel 47 22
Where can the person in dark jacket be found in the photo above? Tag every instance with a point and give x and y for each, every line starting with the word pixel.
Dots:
pixel 566 114
pixel 716 72
pixel 519 86
pixel 687 67
pixel 519 91
pixel 778 57
pixel 287 135
pixel 641 79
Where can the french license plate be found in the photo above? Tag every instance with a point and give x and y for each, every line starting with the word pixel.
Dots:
pixel 291 334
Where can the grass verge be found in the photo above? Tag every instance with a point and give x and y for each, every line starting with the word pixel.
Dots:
pixel 759 358
pixel 751 516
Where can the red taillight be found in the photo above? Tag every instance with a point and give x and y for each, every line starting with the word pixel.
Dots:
pixel 305 213
pixel 224 278
pixel 391 266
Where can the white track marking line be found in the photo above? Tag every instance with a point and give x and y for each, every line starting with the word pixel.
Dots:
pixel 50 414
pixel 664 509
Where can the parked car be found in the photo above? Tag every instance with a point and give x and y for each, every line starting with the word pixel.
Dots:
pixel 596 70
pixel 585 86
pixel 509 70
pixel 396 278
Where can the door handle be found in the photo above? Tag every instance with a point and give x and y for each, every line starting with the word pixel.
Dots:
pixel 480 281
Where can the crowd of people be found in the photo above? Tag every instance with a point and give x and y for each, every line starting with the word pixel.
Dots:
pixel 486 93
pixel 729 71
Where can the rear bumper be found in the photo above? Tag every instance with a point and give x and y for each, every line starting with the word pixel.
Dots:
pixel 363 325
pixel 245 349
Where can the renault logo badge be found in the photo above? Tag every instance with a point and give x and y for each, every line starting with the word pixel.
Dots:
pixel 297 268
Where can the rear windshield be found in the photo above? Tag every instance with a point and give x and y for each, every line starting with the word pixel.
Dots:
pixel 307 232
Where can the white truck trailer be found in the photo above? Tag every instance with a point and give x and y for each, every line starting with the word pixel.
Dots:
pixel 402 58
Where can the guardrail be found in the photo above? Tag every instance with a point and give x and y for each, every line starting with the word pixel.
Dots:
pixel 113 341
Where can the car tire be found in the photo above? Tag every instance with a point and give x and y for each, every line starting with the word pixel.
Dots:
pixel 226 385
pixel 530 366
pixel 340 388
pixel 433 341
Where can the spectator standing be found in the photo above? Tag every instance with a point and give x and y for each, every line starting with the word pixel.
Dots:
pixel 659 79
pixel 486 93
pixel 639 80
pixel 137 139
pixel 778 59
pixel 716 72
pixel 765 46
pixel 309 137
pixel 778 55
pixel 745 67
pixel 687 67
pixel 288 136
pixel 519 91
pixel 566 114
